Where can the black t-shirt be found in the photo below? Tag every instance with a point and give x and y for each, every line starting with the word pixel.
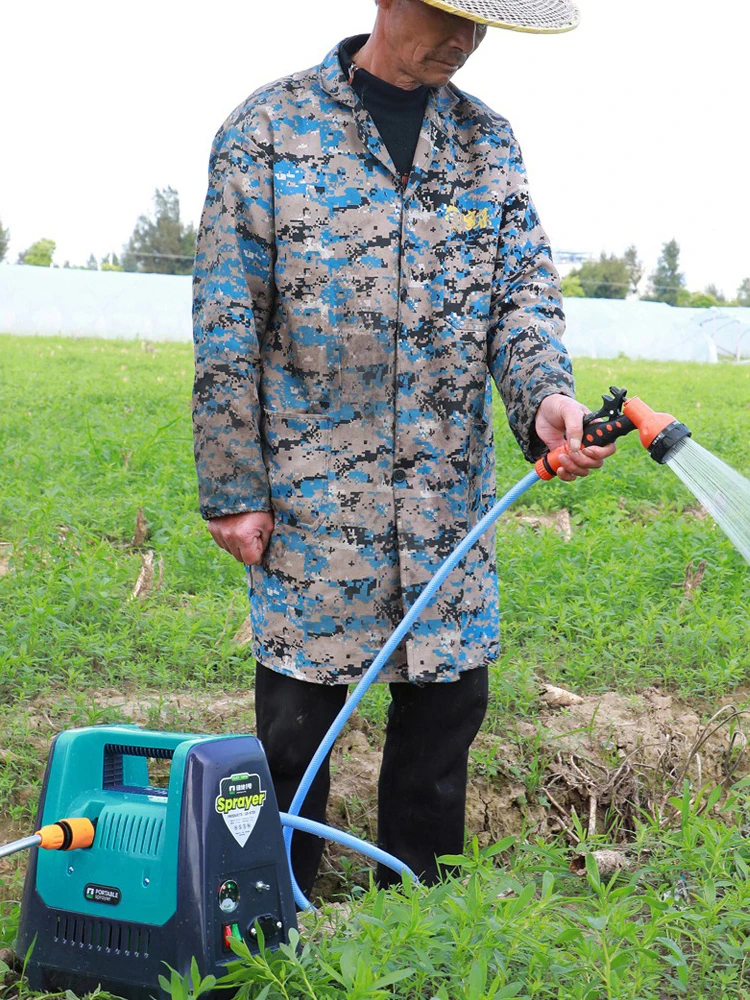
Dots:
pixel 398 114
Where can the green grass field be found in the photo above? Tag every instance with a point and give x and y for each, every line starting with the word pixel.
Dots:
pixel 93 431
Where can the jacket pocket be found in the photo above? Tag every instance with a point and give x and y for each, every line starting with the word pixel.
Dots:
pixel 297 453
pixel 467 261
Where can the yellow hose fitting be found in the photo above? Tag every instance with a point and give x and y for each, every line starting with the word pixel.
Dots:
pixel 67 834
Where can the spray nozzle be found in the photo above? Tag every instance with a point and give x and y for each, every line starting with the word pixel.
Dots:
pixel 618 416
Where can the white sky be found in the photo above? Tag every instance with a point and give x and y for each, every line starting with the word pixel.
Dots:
pixel 634 126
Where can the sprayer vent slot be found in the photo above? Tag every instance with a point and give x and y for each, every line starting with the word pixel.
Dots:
pixel 135 834
pixel 113 770
pixel 103 935
pixel 158 753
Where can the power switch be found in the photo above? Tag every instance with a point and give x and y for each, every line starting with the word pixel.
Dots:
pixel 230 931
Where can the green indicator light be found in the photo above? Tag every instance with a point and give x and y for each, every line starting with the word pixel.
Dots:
pixel 236 932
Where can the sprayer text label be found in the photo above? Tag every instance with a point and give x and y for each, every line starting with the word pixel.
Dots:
pixel 239 802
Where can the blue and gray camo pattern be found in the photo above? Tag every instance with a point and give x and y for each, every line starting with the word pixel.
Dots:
pixel 346 327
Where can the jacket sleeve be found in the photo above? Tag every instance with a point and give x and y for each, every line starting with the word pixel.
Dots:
pixel 232 301
pixel 526 356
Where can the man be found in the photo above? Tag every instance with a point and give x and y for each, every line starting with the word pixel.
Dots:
pixel 368 257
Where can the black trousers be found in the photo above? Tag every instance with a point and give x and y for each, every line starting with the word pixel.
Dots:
pixel 422 787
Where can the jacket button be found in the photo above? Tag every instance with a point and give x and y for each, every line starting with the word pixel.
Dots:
pixel 399 476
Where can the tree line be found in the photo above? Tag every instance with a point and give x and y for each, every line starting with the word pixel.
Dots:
pixel 613 277
pixel 161 243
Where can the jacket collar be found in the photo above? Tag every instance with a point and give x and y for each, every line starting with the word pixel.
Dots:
pixel 334 82
pixel 437 116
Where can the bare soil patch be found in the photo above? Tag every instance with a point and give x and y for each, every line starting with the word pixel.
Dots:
pixel 605 756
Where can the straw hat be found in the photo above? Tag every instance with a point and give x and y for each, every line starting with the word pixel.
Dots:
pixel 542 16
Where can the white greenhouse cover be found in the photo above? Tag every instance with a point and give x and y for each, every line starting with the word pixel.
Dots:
pixel 61 301
pixel 110 304
pixel 606 328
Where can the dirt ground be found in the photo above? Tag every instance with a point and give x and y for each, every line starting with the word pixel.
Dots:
pixel 606 757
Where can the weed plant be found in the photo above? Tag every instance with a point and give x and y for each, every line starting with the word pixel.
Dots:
pixel 91 432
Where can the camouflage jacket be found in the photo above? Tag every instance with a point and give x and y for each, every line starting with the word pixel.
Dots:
pixel 346 327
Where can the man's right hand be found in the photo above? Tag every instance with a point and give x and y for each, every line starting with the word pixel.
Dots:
pixel 245 536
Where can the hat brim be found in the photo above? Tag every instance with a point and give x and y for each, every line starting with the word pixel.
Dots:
pixel 542 17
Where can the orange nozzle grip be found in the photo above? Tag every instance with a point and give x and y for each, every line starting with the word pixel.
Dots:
pixel 67 834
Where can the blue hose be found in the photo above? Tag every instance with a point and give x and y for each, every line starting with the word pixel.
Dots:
pixel 380 661
pixel 369 850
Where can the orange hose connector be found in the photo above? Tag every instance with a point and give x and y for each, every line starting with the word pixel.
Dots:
pixel 67 834
pixel 547 466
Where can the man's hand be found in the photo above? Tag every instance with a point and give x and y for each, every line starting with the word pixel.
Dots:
pixel 560 419
pixel 245 536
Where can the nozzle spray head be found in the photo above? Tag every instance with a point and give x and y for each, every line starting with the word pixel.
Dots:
pixel 659 432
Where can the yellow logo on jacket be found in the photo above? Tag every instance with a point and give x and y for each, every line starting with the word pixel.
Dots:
pixel 462 222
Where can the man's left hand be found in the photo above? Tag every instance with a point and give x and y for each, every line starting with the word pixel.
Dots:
pixel 559 419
